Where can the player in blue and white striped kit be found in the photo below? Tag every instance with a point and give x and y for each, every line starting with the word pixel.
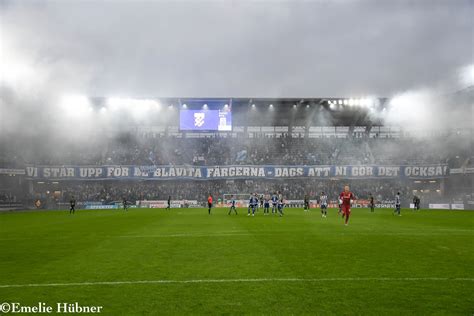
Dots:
pixel 232 206
pixel 253 203
pixel 323 202
pixel 274 203
pixel 266 204
pixel 397 204
pixel 281 204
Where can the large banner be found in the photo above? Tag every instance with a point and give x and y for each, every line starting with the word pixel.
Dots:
pixel 233 172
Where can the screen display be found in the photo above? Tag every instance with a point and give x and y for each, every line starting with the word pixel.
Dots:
pixel 205 120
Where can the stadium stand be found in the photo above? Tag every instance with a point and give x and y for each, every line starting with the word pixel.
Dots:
pixel 314 135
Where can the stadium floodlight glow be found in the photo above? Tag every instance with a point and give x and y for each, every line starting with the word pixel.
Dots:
pixel 351 102
pixel 271 105
pixel 345 102
pixel 367 102
pixel 307 106
pixel 185 106
pixel 340 102
pixel 113 103
pixel 103 109
pixel 205 107
pixel 74 100
pixel 294 106
pixel 253 105
pixel 142 108
pixel 146 104
pixel 76 105
pixel 155 104
pixel 226 106
pixel 13 72
pixel 118 103
pixel 357 102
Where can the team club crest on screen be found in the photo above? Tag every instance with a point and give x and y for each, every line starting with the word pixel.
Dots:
pixel 199 119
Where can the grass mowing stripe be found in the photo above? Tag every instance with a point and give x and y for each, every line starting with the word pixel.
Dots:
pixel 414 233
pixel 236 281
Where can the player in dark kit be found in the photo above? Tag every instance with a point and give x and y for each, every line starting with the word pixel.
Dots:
pixel 209 203
pixel 72 203
pixel 232 206
pixel 253 204
pixel 416 203
pixel 125 205
pixel 371 202
pixel 169 203
pixel 306 202
pixel 346 198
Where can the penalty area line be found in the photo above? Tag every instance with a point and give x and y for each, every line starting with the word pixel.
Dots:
pixel 262 280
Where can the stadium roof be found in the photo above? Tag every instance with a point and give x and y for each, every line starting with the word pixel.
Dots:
pixel 278 111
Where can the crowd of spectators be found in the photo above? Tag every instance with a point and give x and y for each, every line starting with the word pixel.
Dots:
pixel 151 149
pixel 134 149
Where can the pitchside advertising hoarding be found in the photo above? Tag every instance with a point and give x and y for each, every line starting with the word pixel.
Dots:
pixel 91 205
pixel 115 172
pixel 360 203
pixel 239 203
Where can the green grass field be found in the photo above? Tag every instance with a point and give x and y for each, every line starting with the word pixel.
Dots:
pixel 183 261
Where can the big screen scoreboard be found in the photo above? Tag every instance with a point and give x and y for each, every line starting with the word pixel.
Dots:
pixel 206 116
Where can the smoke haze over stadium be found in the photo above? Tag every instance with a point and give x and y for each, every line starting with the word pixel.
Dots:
pixel 224 49
pixel 239 49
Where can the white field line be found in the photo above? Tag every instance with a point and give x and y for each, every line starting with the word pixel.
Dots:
pixel 186 235
pixel 279 232
pixel 259 280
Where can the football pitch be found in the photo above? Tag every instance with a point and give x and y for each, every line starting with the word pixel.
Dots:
pixel 184 261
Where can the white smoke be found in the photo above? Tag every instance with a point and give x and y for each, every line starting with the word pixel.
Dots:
pixel 411 108
pixel 433 108
pixel 466 76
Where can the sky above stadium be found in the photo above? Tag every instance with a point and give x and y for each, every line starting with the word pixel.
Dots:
pixel 236 48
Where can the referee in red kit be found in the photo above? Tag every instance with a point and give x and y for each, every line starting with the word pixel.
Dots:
pixel 209 203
